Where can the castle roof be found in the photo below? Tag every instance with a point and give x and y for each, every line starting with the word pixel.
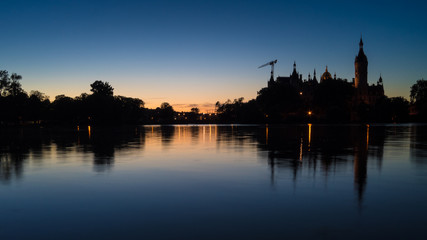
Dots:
pixel 326 75
pixel 361 57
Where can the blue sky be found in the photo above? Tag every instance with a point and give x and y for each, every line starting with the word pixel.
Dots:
pixel 200 52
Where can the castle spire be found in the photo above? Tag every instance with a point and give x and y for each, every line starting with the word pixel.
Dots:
pixel 361 68
pixel 314 76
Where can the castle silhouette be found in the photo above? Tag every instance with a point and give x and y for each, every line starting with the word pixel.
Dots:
pixel 363 92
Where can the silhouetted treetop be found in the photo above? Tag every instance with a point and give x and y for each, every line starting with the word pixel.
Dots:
pixel 195 110
pixel 419 91
pixel 419 98
pixel 4 81
pixel 165 105
pixel 101 88
pixel 15 87
pixel 39 95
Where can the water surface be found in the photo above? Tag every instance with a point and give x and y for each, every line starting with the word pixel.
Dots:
pixel 214 182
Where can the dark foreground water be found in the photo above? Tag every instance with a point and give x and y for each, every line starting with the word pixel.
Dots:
pixel 214 182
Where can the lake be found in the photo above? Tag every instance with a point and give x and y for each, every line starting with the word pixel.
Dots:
pixel 214 182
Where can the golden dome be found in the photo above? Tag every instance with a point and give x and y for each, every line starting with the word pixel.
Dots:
pixel 326 75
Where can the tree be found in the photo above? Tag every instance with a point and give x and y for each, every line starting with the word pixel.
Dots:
pixel 129 110
pixel 236 111
pixel 4 82
pixel 15 88
pixel 419 97
pixel 165 105
pixel 195 110
pixel 64 109
pixel 399 109
pixel 39 95
pixel 419 91
pixel 166 112
pixel 279 101
pixel 101 88
pixel 194 116
pixel 37 106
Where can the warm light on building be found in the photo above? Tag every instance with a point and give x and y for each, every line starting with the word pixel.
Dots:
pixel 266 134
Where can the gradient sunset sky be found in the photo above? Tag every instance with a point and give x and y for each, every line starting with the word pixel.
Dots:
pixel 194 53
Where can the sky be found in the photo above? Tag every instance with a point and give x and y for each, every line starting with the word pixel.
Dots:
pixel 195 53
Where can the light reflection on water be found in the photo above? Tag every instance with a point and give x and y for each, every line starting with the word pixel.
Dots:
pixel 214 181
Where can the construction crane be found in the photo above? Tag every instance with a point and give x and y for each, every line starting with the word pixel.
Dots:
pixel 272 68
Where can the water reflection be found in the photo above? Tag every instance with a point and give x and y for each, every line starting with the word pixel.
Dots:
pixel 19 146
pixel 297 151
pixel 15 148
pixel 214 180
pixel 418 144
pixel 309 150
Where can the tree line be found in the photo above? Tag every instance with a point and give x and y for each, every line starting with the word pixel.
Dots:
pixel 99 107
pixel 329 101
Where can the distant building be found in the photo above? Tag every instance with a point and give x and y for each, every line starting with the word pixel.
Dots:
pixel 295 79
pixel 365 93
pixel 325 76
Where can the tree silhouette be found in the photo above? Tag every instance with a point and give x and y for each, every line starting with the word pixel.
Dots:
pixel 419 91
pixel 195 110
pixel 38 106
pixel 279 101
pixel 101 88
pixel 166 113
pixel 4 82
pixel 15 88
pixel 64 110
pixel 419 98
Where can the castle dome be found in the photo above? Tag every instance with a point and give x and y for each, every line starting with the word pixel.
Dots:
pixel 326 75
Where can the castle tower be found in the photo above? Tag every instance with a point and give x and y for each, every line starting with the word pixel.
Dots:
pixel 314 76
pixel 380 81
pixel 361 68
pixel 294 72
